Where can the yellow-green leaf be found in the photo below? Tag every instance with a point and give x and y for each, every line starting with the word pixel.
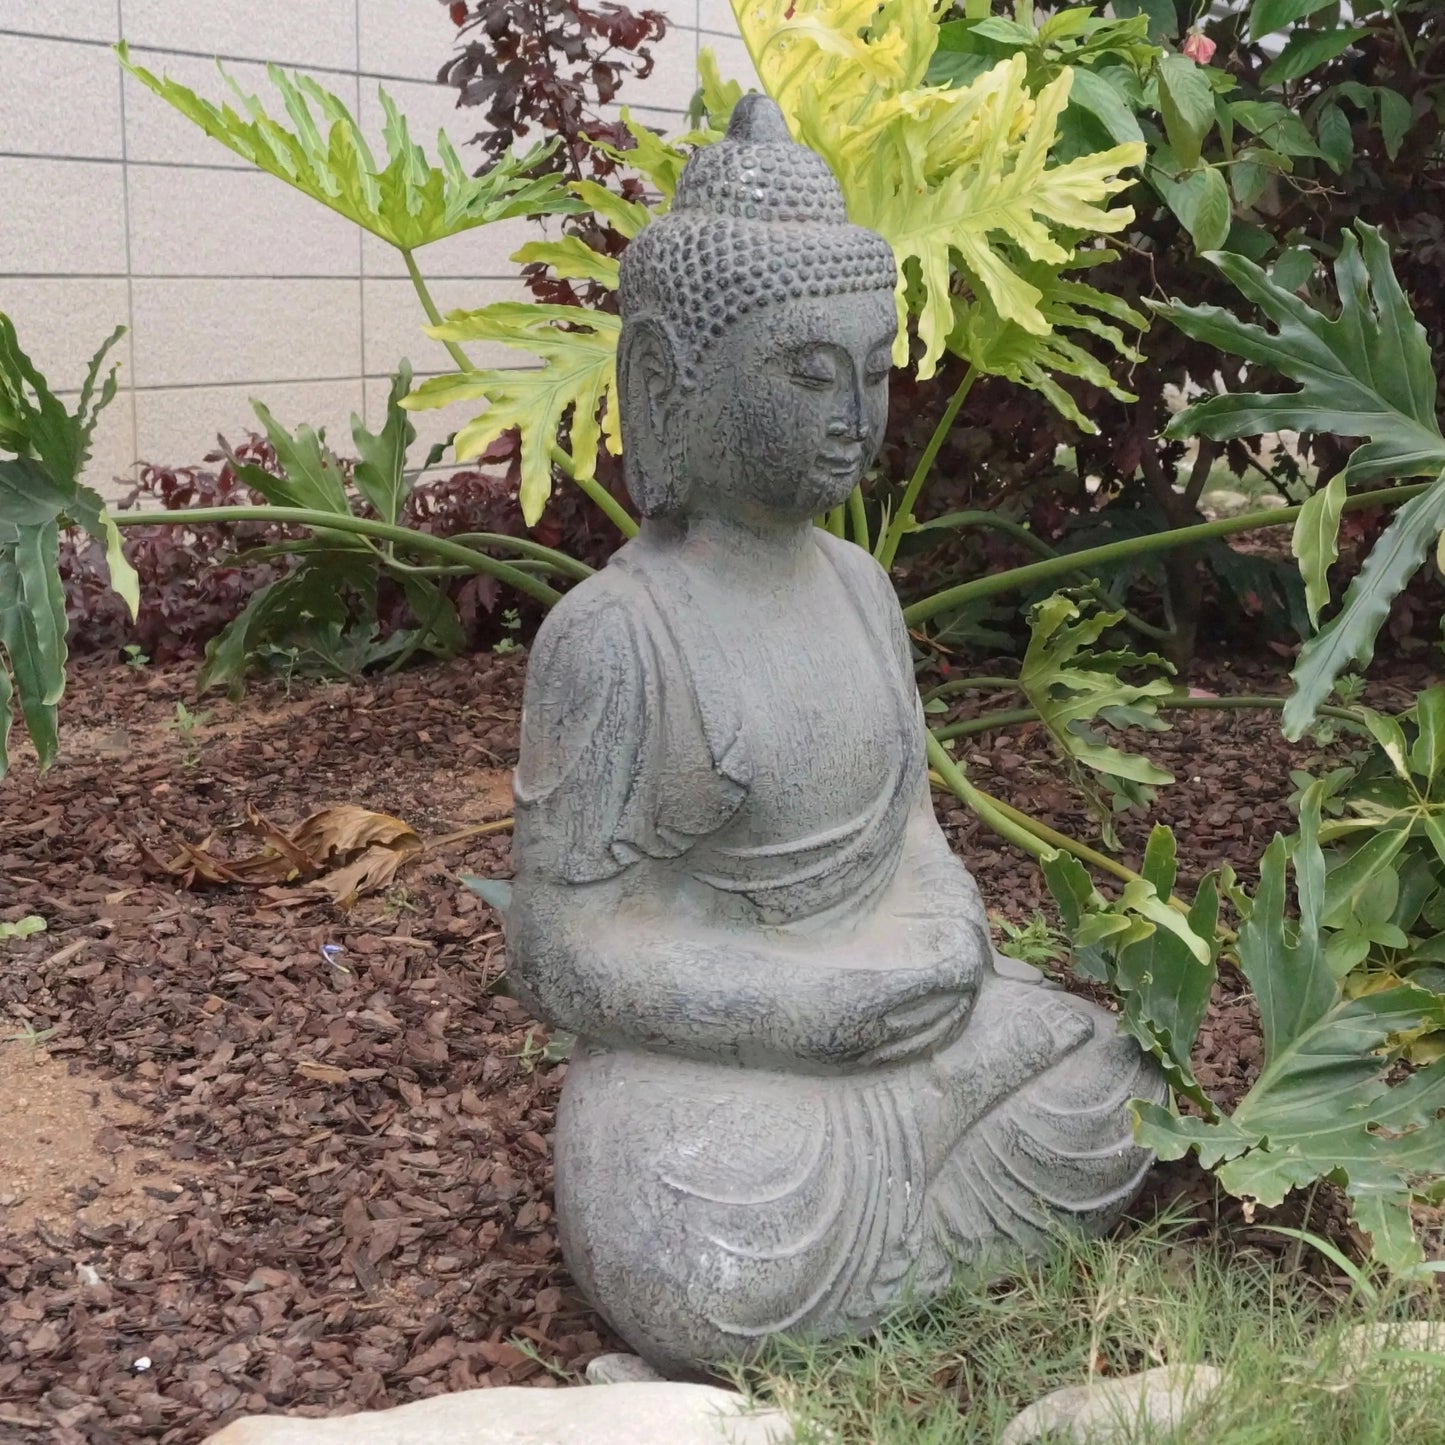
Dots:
pixel 576 383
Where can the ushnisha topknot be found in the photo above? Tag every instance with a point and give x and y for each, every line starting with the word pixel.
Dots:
pixel 757 219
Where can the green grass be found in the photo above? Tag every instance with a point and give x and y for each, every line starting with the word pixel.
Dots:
pixel 958 1371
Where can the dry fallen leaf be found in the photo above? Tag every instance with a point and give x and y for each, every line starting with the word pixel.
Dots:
pixel 340 852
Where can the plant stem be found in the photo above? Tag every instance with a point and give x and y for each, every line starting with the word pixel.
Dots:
pixel 970 727
pixel 524 547
pixel 597 493
pixel 1031 540
pixel 903 519
pixel 360 526
pixel 970 684
pixel 858 518
pixel 418 282
pixel 1035 573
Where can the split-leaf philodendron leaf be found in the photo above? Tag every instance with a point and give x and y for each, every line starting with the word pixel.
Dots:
pixel 1364 371
pixel 1323 1106
pixel 407 202
pixel 40 494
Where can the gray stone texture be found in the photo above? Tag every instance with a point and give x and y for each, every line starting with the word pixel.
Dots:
pixel 805 1087
pixel 625 1414
pixel 1159 1401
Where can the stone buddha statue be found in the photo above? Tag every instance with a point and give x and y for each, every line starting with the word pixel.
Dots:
pixel 805 1087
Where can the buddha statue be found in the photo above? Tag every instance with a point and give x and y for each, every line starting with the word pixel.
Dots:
pixel 805 1087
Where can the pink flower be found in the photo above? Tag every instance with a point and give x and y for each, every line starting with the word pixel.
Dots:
pixel 1199 48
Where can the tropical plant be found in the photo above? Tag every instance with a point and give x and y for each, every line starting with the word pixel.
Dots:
pixel 1362 372
pixel 958 181
pixel 43 450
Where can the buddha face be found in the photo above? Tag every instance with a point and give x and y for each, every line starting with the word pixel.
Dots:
pixel 786 410
pixel 790 407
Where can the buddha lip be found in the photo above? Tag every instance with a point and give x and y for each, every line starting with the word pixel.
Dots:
pixel 842 461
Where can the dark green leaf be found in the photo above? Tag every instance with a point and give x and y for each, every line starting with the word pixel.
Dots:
pixel 1276 125
pixel 1395 118
pixel 1337 138
pixel 380 472
pixel 1349 638
pixel 1365 373
pixel 1092 91
pixel 1201 201
pixel 1187 104
pixel 1267 16
pixel 1308 49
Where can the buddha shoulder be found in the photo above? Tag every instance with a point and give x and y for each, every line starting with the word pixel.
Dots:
pixel 590 639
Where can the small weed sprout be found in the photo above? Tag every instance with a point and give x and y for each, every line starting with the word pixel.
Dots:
pixel 1036 942
pixel 134 656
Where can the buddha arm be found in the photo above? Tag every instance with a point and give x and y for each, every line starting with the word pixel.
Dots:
pixel 646 975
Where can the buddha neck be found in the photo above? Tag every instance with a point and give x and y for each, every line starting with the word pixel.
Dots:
pixel 740 545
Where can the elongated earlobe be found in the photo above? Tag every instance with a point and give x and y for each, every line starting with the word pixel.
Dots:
pixel 648 377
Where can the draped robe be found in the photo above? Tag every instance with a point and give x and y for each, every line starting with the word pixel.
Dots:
pixel 786 1201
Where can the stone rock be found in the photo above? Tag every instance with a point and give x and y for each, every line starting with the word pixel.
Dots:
pixel 638 1413
pixel 1112 1410
pixel 1364 1346
pixel 620 1370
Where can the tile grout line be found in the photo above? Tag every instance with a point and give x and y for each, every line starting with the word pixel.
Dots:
pixel 129 263
pixel 360 234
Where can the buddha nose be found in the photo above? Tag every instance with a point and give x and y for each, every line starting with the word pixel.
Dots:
pixel 851 426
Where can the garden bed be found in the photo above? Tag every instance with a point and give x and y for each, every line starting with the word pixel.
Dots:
pixel 253 1172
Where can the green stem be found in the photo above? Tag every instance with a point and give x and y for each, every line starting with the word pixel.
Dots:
pixel 971 684
pixel 418 282
pixel 858 518
pixel 970 727
pixel 1019 578
pixel 958 784
pixel 358 526
pixel 524 547
pixel 902 521
pixel 597 493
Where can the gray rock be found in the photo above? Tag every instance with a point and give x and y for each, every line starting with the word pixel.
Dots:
pixel 804 1086
pixel 626 1414
pixel 619 1370
pixel 1115 1410
pixel 1368 1348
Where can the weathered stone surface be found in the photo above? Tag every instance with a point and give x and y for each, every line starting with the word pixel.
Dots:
pixel 1367 1348
pixel 1110 1410
pixel 656 1413
pixel 619 1370
pixel 804 1085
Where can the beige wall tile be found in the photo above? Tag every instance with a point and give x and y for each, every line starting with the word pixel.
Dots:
pixel 58 98
pixel 234 223
pixel 156 131
pixel 674 73
pixel 61 324
pixel 717 16
pixel 316 32
pixel 180 427
pixel 394 319
pixel 404 37
pixel 80 227
pixel 76 19
pixel 214 331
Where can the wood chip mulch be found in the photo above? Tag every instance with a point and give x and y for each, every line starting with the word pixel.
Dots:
pixel 262 1153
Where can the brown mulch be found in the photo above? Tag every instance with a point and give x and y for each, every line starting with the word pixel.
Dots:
pixel 254 1172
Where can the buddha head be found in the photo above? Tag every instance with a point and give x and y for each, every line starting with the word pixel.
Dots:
pixel 757 333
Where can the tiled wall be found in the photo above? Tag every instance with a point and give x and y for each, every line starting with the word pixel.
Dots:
pixel 115 209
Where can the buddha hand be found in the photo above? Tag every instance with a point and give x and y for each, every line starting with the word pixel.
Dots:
pixel 919 1006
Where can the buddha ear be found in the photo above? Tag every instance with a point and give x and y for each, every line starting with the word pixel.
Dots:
pixel 648 375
